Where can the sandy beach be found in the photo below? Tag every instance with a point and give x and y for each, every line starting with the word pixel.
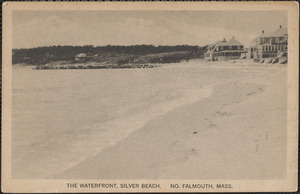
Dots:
pixel 237 132
pixel 181 97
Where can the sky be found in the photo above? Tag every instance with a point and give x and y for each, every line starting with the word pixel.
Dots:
pixel 99 28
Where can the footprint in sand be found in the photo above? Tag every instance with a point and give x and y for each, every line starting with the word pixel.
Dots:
pixel 259 90
pixel 224 113
pixel 260 140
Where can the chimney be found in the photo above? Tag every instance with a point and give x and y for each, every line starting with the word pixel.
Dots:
pixel 280 26
pixel 263 31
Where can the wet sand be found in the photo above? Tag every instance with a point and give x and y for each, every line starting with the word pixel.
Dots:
pixel 239 132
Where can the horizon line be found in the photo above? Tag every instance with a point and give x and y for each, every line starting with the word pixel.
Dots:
pixel 111 45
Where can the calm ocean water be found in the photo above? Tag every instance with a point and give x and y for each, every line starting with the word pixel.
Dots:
pixel 62 117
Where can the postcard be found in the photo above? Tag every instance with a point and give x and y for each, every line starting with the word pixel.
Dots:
pixel 150 97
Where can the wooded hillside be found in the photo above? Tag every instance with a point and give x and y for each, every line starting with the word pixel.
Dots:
pixel 120 54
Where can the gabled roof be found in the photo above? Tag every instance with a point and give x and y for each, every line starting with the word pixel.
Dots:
pixel 231 42
pixel 221 43
pixel 280 32
pixel 234 42
pixel 263 35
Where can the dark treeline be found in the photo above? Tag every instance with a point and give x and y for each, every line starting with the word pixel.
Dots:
pixel 42 55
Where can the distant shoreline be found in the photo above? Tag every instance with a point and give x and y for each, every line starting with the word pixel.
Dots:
pixel 94 66
pixel 106 57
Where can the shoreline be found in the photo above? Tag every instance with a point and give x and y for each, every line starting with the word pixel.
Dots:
pixel 200 62
pixel 182 143
pixel 88 66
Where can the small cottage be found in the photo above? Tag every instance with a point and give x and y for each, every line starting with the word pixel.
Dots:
pixel 80 57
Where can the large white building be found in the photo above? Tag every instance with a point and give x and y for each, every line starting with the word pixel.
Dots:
pixel 269 45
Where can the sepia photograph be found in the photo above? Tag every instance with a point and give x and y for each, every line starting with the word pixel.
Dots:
pixel 150 97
